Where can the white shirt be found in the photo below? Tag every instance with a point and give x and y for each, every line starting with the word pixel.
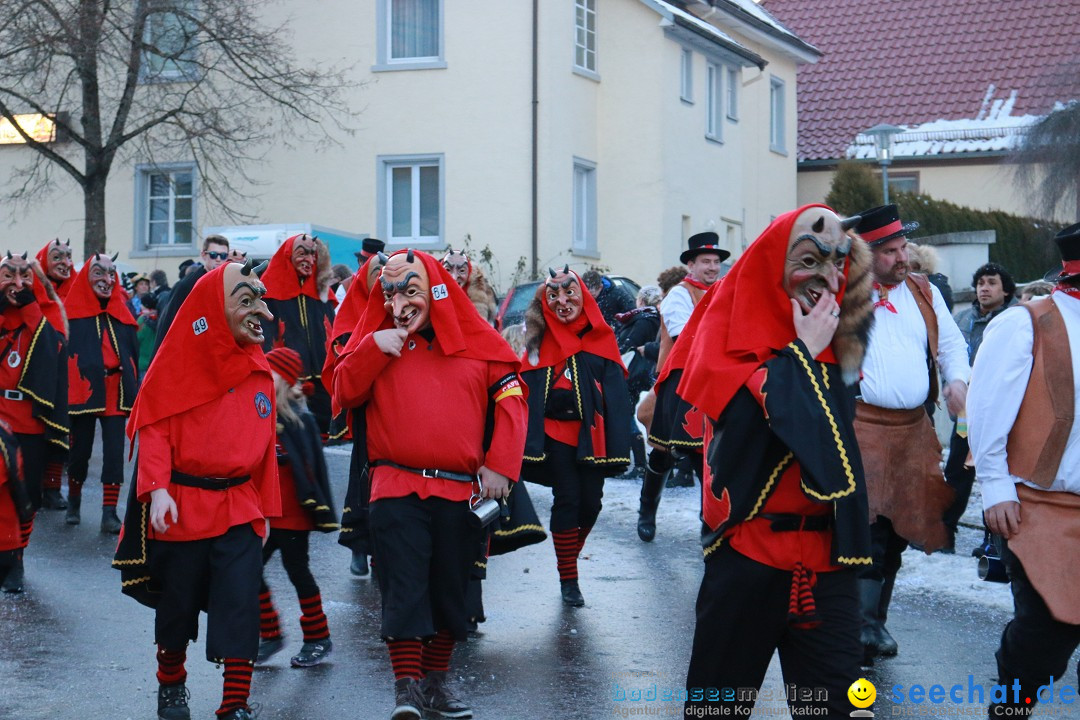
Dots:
pixel 894 371
pixel 675 309
pixel 999 381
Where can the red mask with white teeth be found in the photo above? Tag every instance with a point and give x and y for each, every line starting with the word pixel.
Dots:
pixel 102 276
pixel 304 254
pixel 563 295
pixel 59 262
pixel 407 292
pixel 818 249
pixel 245 308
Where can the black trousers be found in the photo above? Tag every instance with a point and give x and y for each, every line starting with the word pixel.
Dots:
pixel 112 447
pixel 742 618
pixel 220 575
pixel 293 545
pixel 425 550
pixel 960 478
pixel 33 449
pixel 577 490
pixel 887 549
pixel 1034 646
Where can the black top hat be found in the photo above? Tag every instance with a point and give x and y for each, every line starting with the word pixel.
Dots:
pixel 185 265
pixel 369 246
pixel 882 223
pixel 703 242
pixel 1068 242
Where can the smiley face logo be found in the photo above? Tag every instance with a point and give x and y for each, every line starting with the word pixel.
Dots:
pixel 862 693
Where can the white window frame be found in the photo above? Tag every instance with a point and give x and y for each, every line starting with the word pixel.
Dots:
pixel 732 95
pixel 184 68
pixel 714 102
pixel 142 246
pixel 777 116
pixel 385 216
pixel 384 29
pixel 585 39
pixel 584 209
pixel 686 76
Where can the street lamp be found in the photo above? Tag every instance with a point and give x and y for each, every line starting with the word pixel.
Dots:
pixel 883 139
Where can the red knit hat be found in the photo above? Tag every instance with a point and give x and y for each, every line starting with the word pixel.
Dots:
pixel 286 363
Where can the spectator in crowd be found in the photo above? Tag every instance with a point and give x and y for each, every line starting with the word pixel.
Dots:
pixel 215 251
pixel 633 331
pixel 671 277
pixel 147 320
pixel 159 288
pixel 611 299
pixel 1039 288
pixel 342 277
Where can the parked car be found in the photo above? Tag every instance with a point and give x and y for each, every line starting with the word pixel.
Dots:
pixel 512 308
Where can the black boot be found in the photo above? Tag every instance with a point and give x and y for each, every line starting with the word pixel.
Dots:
pixel 51 499
pixel 887 646
pixel 359 565
pixel 172 702
pixel 438 699
pixel 110 523
pixel 652 485
pixel 13 583
pixel 869 601
pixel 74 504
pixel 571 593
pixel 683 476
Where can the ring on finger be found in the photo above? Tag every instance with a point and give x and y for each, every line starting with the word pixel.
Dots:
pixel 835 313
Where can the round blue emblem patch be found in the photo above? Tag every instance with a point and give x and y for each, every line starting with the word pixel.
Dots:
pixel 262 405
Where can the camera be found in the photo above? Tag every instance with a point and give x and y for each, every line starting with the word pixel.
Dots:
pixel 992 569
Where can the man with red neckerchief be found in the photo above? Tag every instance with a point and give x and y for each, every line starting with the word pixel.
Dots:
pixel 199 506
pixel 1026 445
pixel 302 319
pixel 771 358
pixel 103 378
pixel 675 427
pixel 914 335
pixel 33 388
pixel 424 365
pixel 578 406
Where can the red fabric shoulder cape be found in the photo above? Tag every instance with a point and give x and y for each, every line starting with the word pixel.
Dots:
pixel 352 307
pixel 81 302
pixel 561 341
pixel 460 329
pixel 280 277
pixel 193 367
pixel 740 323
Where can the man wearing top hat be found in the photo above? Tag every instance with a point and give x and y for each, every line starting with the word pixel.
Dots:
pixel 1027 458
pixel 368 248
pixel 915 346
pixel 676 426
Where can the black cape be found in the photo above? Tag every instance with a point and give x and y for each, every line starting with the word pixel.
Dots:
pixel 301 448
pixel 44 381
pixel 303 323
pixel 84 344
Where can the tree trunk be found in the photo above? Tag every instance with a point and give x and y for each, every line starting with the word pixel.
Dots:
pixel 94 210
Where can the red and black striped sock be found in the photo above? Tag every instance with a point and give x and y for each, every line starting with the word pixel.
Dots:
pixel 74 488
pixel 237 685
pixel 566 552
pixel 25 530
pixel 436 653
pixel 582 533
pixel 51 482
pixel 313 619
pixel 54 470
pixel 109 495
pixel 269 626
pixel 170 666
pixel 405 658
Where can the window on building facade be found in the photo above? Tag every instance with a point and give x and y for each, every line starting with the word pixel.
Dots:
pixel 584 207
pixel 165 206
pixel 413 192
pixel 777 141
pixel 686 76
pixel 411 34
pixel 585 35
pixel 732 94
pixel 714 99
pixel 903 183
pixel 171 41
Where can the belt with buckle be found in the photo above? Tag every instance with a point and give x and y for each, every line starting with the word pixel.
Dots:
pixel 13 395
pixel 789 522
pixel 207 483
pixel 427 472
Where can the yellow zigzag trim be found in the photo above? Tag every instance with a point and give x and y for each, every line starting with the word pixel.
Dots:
pixel 855 561
pixel 835 430
pixel 519 529
pixel 714 547
pixel 773 477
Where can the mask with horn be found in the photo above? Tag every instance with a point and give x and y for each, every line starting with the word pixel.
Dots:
pixel 563 295
pixel 58 261
pixel 102 276
pixel 245 309
pixel 16 280
pixel 406 292
pixel 304 253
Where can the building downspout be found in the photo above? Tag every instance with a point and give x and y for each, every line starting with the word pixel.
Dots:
pixel 535 246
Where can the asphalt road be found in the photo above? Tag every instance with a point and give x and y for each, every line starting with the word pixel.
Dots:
pixel 72 646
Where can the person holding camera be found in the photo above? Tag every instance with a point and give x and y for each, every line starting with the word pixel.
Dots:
pixel 423 364
pixel 1026 447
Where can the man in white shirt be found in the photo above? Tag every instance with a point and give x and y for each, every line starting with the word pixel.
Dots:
pixel 1027 459
pixel 913 337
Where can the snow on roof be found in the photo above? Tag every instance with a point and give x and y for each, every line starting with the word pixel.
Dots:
pixel 699 23
pixel 752 8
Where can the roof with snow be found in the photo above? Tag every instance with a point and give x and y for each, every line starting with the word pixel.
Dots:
pixel 961 76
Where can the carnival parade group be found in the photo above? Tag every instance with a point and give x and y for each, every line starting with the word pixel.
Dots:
pixel 799 388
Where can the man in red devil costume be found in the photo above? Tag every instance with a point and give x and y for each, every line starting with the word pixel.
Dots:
pixel 103 378
pixel 578 406
pixel 471 279
pixel 15 507
pixel 424 365
pixel 33 388
pixel 772 358
pixel 199 505
pixel 55 261
pixel 302 319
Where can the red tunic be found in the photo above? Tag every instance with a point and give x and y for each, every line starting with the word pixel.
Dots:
pixel 227 437
pixel 427 410
pixel 564 431
pixel 112 377
pixel 19 414
pixel 10 535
